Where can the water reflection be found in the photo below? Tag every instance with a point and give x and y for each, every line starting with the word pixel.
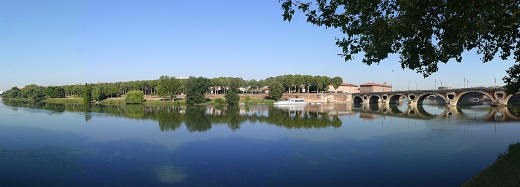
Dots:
pixel 111 150
pixel 170 174
pixel 201 118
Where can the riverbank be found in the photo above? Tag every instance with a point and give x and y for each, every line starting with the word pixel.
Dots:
pixel 504 172
pixel 148 101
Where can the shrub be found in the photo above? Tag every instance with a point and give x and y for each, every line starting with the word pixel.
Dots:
pixel 134 97
pixel 220 101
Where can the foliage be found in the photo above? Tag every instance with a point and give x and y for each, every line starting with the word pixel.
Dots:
pixel 134 97
pixel 231 96
pixel 511 80
pixel 12 93
pixel 247 99
pixel 98 94
pixel 336 82
pixel 219 101
pixel 276 90
pixel 423 34
pixel 168 86
pixel 54 92
pixel 504 172
pixel 87 93
pixel 196 89
pixel 509 149
pixel 33 92
pixel 111 90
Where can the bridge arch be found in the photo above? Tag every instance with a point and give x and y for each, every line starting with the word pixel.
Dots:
pixel 422 97
pixel 504 97
pixel 374 98
pixel 395 110
pixel 510 97
pixel 412 97
pixel 358 99
pixel 456 99
pixel 394 99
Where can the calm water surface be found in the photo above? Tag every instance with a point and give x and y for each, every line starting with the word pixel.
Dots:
pixel 325 145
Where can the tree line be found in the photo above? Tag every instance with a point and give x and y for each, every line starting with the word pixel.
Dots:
pixel 195 88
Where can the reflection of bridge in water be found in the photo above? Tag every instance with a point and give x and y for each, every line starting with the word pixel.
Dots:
pixel 377 110
pixel 496 114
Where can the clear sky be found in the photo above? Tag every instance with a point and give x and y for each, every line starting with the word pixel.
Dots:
pixel 59 42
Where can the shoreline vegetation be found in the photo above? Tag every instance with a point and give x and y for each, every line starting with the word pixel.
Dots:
pixel 504 172
pixel 193 89
pixel 148 101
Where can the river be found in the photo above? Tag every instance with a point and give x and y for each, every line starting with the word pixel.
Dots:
pixel 258 145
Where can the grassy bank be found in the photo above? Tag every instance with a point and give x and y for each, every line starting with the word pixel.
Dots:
pixel 504 172
pixel 73 100
pixel 18 99
pixel 121 101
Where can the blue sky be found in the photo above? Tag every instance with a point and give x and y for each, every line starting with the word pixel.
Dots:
pixel 59 42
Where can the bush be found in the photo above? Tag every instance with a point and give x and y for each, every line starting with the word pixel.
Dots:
pixel 247 99
pixel 232 97
pixel 134 97
pixel 220 101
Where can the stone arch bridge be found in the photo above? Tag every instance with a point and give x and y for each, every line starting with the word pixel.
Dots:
pixel 498 96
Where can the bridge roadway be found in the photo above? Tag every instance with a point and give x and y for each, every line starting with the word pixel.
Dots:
pixel 498 96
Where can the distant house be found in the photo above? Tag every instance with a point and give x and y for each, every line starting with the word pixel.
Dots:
pixel 375 87
pixel 345 88
pixel 445 88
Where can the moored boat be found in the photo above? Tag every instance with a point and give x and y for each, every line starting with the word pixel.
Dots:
pixel 291 101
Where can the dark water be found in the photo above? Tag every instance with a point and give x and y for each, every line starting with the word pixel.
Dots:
pixel 316 145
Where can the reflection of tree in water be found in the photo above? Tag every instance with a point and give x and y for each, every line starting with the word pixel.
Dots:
pixel 234 119
pixel 169 119
pixel 198 118
pixel 301 119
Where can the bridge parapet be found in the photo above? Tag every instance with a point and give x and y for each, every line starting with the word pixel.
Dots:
pixel 450 96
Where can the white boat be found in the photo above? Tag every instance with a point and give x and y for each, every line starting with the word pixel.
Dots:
pixel 291 101
pixel 474 99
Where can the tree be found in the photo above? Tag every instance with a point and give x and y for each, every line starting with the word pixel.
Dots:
pixel 196 89
pixel 33 92
pixel 307 80
pixel 168 86
pixel 276 90
pixel 336 82
pixel 54 92
pixel 98 94
pixel 12 93
pixel 231 96
pixel 134 97
pixel 423 34
pixel 87 93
